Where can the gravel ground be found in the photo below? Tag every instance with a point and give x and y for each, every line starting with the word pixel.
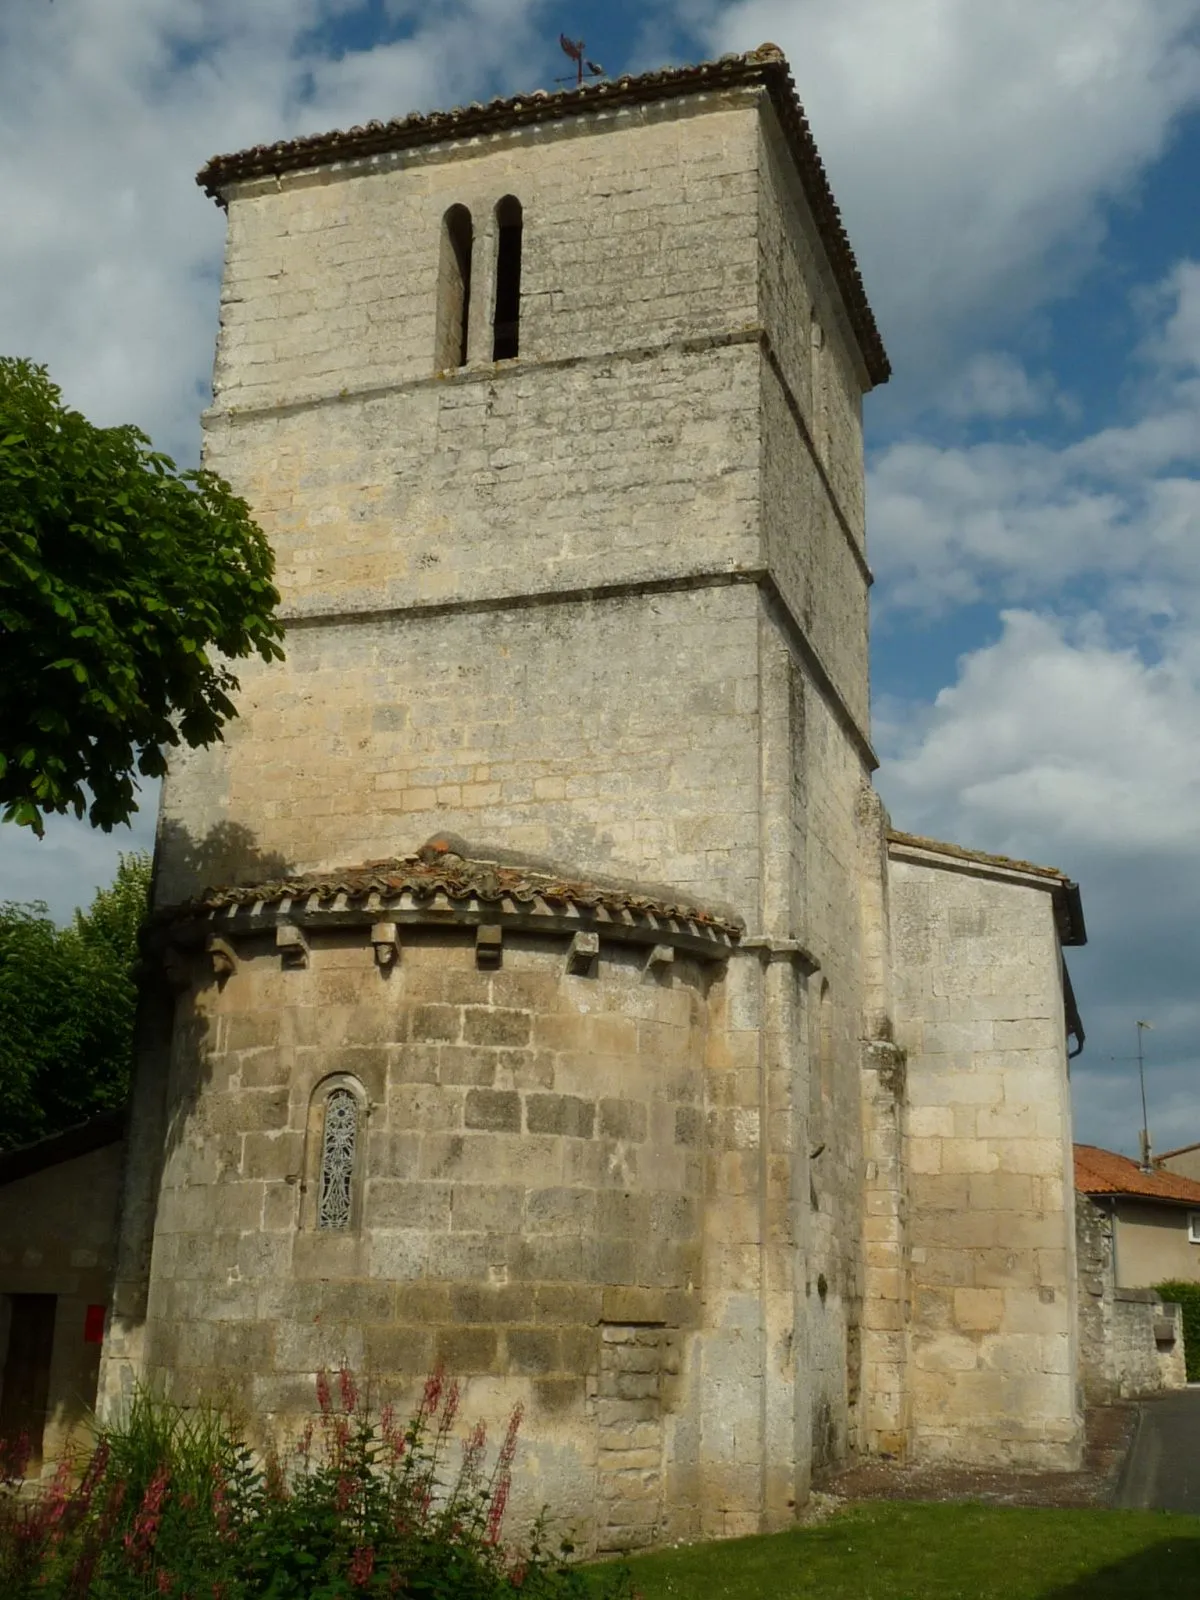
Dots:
pixel 1109 1433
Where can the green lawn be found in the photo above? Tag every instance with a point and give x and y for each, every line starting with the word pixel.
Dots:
pixel 903 1551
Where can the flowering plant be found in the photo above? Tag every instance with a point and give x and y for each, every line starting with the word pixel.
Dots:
pixel 175 1503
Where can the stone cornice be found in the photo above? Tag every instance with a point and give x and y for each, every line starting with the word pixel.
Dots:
pixel 440 887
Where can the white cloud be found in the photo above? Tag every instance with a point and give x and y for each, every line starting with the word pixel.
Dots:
pixel 974 146
pixel 1057 746
pixel 107 110
pixel 995 385
pixel 110 257
pixel 1015 520
pixel 1052 734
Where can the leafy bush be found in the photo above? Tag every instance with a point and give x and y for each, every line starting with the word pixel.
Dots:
pixel 174 1503
pixel 1186 1295
pixel 67 1003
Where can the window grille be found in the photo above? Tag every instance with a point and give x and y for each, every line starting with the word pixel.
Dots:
pixel 337 1159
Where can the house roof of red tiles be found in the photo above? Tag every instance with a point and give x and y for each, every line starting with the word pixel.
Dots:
pixel 1105 1172
pixel 764 68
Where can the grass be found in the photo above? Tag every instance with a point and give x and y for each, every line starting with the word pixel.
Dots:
pixel 905 1551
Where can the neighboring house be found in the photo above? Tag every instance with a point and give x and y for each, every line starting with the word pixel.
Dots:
pixel 1132 1229
pixel 1155 1217
pixel 1184 1162
pixel 58 1212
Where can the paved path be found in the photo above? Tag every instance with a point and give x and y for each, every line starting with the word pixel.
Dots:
pixel 1163 1470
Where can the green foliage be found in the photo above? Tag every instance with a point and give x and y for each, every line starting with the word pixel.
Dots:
pixel 1186 1295
pixel 126 587
pixel 175 1503
pixel 67 1004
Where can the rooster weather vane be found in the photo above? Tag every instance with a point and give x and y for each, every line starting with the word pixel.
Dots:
pixel 574 48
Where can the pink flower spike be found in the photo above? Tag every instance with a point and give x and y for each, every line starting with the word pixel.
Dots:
pixel 433 1392
pixel 323 1398
pixel 453 1396
pixel 362 1564
pixel 349 1390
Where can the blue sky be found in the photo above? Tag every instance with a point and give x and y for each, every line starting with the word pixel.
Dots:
pixel 1019 181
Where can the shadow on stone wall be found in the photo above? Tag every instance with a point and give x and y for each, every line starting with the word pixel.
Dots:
pixel 228 853
pixel 172 1061
pixel 1169 1570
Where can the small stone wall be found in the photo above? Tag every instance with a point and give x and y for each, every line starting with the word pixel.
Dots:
pixel 1130 1342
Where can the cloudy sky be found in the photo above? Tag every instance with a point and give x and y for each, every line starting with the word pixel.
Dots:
pixel 1019 178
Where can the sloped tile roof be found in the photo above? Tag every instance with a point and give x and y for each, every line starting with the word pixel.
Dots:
pixel 1105 1172
pixel 446 866
pixel 765 67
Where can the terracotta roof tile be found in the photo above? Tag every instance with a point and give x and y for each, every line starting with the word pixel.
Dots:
pixel 765 67
pixel 1105 1172
pixel 445 866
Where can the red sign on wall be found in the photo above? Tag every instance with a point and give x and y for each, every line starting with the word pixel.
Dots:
pixel 93 1325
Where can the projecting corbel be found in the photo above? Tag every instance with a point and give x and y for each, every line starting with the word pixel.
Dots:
pixel 291 944
pixel 660 958
pixel 583 954
pixel 768 950
pixel 489 946
pixel 222 954
pixel 385 936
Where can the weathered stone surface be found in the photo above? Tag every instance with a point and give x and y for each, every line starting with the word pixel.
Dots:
pixel 603 605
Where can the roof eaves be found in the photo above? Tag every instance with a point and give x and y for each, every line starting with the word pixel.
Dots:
pixel 1068 902
pixel 82 1140
pixel 765 67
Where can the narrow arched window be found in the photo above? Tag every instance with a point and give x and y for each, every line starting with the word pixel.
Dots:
pixel 339 1142
pixel 454 289
pixel 506 341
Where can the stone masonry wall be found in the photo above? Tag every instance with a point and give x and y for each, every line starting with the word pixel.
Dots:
pixel 57 1230
pixel 638 229
pixel 1130 1343
pixel 599 605
pixel 616 735
pixel 531 1186
pixel 979 1011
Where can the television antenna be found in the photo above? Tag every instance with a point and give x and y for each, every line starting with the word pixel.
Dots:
pixel 1147 1163
pixel 574 48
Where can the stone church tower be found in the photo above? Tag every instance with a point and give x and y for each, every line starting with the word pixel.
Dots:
pixel 528 980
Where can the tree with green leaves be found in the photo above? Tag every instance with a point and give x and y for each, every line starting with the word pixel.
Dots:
pixel 67 1003
pixel 126 589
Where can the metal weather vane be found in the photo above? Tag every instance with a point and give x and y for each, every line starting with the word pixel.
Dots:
pixel 575 49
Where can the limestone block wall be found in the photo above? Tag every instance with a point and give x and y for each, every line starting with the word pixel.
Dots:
pixel 828 782
pixel 524 478
pixel 979 1011
pixel 638 228
pixel 811 344
pixel 558 1194
pixel 577 606
pixel 617 734
pixel 1130 1342
pixel 57 1237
